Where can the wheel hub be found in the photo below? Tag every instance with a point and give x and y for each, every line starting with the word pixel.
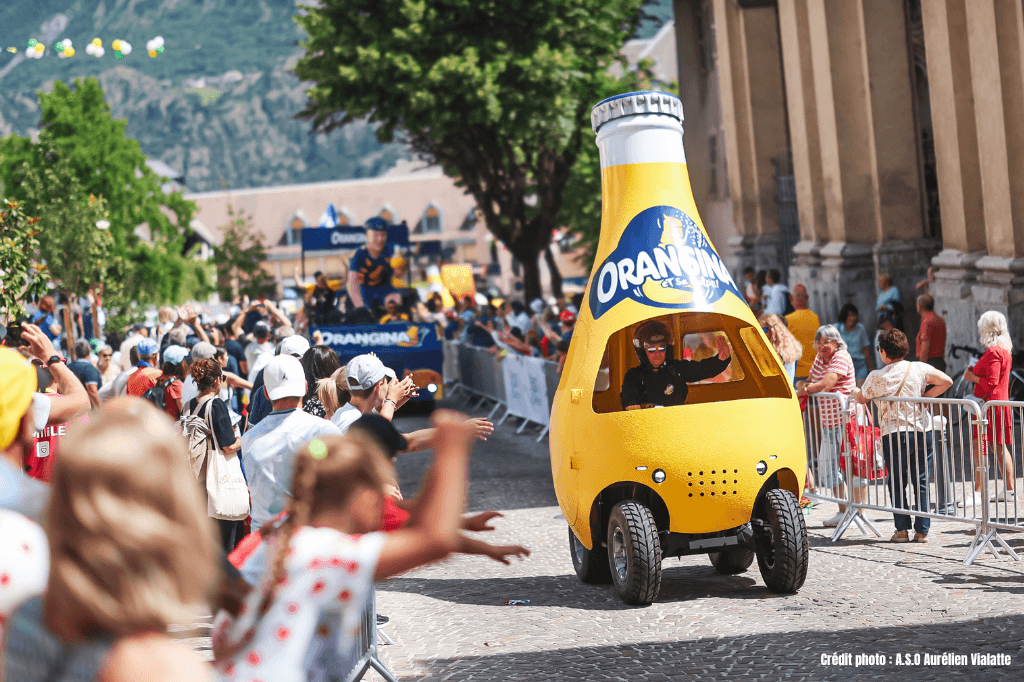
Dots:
pixel 618 550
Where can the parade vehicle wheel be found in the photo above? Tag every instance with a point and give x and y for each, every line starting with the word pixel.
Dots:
pixel 732 561
pixel 591 564
pixel 634 553
pixel 782 543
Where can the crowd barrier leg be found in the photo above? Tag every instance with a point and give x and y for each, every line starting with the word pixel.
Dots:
pixel 368 656
pixel 543 432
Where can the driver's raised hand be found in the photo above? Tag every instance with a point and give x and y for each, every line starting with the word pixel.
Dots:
pixel 38 342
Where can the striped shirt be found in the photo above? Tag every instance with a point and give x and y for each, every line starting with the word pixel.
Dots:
pixel 841 364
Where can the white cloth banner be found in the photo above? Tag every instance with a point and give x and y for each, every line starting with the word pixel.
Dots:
pixel 526 392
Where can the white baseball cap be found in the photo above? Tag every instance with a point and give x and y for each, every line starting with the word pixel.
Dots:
pixel 364 371
pixel 294 345
pixel 284 378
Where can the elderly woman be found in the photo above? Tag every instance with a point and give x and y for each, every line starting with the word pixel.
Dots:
pixel 991 378
pixel 831 372
pixel 906 428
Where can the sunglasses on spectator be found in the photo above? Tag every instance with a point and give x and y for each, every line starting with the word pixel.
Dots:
pixel 105 355
pixel 655 349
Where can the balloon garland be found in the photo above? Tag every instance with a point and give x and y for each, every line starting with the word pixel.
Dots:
pixel 65 49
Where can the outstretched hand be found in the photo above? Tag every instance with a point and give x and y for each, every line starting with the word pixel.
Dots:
pixel 479 522
pixel 482 428
pixel 501 553
pixel 724 352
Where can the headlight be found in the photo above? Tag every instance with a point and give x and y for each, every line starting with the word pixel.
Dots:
pixel 432 388
pixel 658 475
pixel 762 468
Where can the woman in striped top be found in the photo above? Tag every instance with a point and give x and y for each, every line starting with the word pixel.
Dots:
pixel 831 372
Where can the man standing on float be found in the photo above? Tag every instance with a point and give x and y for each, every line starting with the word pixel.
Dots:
pixel 370 271
pixel 661 380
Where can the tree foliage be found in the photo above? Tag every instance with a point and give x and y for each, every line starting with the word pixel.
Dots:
pixel 22 275
pixel 237 260
pixel 498 93
pixel 581 206
pixel 77 130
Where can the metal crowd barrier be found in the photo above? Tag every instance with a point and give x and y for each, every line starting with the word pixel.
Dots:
pixel 450 373
pixel 366 645
pixel 917 458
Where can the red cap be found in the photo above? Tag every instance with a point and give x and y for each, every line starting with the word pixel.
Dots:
pixel 567 316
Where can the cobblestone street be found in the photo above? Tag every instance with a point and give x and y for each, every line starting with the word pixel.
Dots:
pixel 862 596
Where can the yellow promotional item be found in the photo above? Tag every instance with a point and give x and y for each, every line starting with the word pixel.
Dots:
pixel 674 428
pixel 19 385
pixel 458 279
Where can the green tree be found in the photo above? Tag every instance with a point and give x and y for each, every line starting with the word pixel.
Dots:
pixel 77 125
pixel 22 275
pixel 237 260
pixel 581 205
pixel 498 93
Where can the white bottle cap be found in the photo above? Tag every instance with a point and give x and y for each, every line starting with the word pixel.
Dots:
pixel 639 127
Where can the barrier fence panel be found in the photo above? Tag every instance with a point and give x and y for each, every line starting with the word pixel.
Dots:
pixel 526 390
pixel 365 654
pixel 1002 446
pixel 450 366
pixel 824 433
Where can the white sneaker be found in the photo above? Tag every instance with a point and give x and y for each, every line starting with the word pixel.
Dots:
pixel 1002 496
pixel 975 501
pixel 834 521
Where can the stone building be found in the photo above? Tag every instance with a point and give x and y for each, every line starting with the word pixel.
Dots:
pixel 847 138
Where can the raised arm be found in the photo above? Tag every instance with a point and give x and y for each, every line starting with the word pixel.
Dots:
pixel 353 289
pixel 277 314
pixel 73 400
pixel 436 531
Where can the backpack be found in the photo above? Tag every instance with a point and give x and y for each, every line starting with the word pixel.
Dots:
pixel 157 394
pixel 198 435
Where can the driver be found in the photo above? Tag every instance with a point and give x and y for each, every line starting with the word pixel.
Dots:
pixel 661 380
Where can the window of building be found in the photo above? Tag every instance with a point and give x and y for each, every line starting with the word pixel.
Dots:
pixel 387 215
pixel 293 234
pixel 430 222
pixel 713 167
pixel 469 222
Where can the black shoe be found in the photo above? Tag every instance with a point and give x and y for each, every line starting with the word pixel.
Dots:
pixel 382 620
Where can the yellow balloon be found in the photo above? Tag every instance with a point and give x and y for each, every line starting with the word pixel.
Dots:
pixel 97 42
pixel 152 53
pixel 70 52
pixel 40 47
pixel 116 45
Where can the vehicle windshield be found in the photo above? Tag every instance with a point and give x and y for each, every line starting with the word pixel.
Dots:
pixel 685 359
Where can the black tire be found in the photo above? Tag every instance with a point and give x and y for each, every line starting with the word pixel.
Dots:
pixel 634 553
pixel 732 561
pixel 782 547
pixel 591 564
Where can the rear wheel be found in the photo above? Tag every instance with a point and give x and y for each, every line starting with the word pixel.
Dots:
pixel 782 543
pixel 591 564
pixel 634 553
pixel 732 561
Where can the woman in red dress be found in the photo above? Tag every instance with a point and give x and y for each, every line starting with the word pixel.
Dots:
pixel 991 376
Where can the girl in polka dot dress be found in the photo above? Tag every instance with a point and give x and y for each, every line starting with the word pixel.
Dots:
pixel 302 622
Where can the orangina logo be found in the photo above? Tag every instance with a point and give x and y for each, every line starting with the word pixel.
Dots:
pixel 662 260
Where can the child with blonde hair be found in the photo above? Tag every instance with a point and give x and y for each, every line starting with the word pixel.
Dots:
pixel 327 554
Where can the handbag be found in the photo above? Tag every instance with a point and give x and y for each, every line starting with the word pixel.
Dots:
pixel 864 448
pixel 227 495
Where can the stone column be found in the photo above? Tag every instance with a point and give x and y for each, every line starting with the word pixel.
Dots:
pixel 997 79
pixel 798 68
pixel 958 167
pixel 754 122
pixel 869 165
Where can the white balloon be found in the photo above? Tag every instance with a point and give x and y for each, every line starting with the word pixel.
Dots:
pixel 67 43
pixel 29 52
pixel 90 49
pixel 100 51
pixel 126 48
pixel 158 41
pixel 103 224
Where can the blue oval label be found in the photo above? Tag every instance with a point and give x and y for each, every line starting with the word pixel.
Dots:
pixel 662 260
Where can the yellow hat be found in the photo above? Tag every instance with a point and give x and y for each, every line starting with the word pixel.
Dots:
pixel 16 394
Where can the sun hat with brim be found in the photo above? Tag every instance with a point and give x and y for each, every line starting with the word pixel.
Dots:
pixel 284 378
pixel 294 345
pixel 16 395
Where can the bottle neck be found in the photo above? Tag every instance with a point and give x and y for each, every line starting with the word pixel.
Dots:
pixel 644 138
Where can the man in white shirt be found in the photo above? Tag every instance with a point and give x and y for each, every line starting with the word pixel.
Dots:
pixel 268 449
pixel 774 294
pixel 261 346
pixel 139 332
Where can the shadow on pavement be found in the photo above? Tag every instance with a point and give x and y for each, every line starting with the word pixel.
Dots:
pixel 793 655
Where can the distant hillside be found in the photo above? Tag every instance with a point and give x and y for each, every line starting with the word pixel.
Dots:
pixel 218 105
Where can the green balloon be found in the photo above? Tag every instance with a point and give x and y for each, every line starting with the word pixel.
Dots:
pixel 32 42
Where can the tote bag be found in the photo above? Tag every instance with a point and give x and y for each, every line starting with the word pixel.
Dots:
pixel 227 494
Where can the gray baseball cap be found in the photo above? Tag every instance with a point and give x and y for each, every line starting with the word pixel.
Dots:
pixel 364 371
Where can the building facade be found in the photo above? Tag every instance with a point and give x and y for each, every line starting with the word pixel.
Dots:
pixel 852 138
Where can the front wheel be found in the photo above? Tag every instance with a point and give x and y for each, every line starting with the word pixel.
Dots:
pixel 732 561
pixel 634 553
pixel 782 543
pixel 591 564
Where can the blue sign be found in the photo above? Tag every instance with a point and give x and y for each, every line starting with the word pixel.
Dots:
pixel 347 237
pixel 404 347
pixel 662 260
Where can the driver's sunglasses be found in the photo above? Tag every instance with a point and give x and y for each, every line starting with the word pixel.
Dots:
pixel 105 355
pixel 655 349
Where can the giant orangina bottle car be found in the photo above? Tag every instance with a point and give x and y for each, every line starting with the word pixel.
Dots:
pixel 674 428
